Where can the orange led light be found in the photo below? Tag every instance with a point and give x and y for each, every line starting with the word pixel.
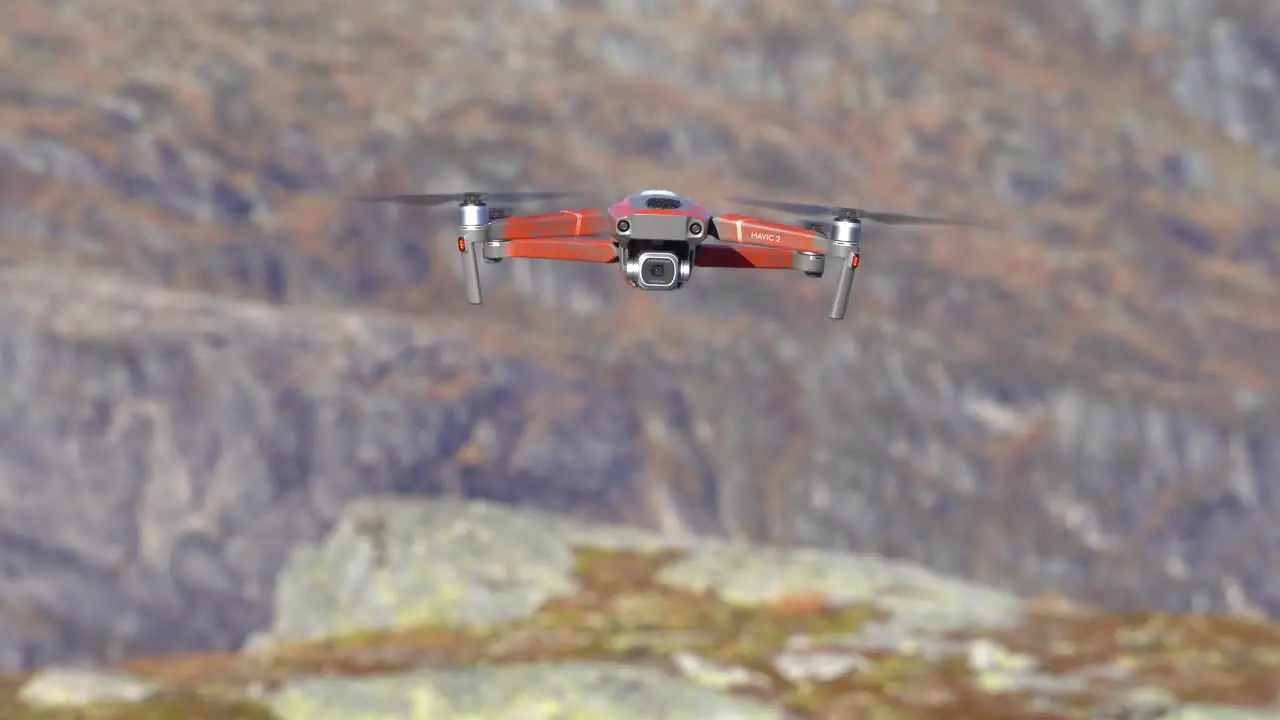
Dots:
pixel 853 261
pixel 462 244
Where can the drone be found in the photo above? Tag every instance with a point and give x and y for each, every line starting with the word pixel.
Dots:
pixel 658 237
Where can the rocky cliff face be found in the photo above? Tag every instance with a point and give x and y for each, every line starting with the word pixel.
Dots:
pixel 164 452
pixel 1084 402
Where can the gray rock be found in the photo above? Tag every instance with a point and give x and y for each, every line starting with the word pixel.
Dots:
pixel 918 597
pixel 1152 703
pixel 800 667
pixel 547 692
pixel 392 562
pixel 60 688
pixel 163 452
pixel 395 562
pixel 1208 711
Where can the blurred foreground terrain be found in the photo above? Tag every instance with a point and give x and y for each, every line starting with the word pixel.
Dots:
pixel 207 353
pixel 445 610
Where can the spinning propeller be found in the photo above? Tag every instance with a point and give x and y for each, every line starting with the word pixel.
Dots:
pixel 849 213
pixel 473 226
pixel 844 234
pixel 467 198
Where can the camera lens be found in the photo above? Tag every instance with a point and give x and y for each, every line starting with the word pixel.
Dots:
pixel 659 271
pixel 695 228
pixel 623 226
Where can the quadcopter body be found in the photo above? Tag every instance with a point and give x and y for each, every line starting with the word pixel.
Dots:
pixel 659 237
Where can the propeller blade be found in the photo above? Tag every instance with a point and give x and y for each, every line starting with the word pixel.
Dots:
pixel 425 199
pixel 435 199
pixel 793 208
pixel 887 218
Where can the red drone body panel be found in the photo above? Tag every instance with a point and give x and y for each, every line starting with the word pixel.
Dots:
pixel 659 237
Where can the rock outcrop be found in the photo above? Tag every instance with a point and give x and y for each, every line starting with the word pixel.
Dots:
pixel 418 609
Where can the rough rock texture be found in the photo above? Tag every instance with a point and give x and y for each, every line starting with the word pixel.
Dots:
pixel 61 688
pixel 162 453
pixel 1082 403
pixel 433 610
pixel 396 562
pixel 568 690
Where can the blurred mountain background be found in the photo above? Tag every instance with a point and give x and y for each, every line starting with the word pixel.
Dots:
pixel 207 352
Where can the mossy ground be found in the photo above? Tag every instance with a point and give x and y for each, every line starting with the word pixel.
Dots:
pixel 623 614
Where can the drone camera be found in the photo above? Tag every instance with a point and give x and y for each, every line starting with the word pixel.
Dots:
pixel 624 226
pixel 659 271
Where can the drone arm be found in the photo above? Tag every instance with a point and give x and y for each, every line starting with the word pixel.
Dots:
pixel 759 258
pixel 746 230
pixel 559 224
pixel 565 249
